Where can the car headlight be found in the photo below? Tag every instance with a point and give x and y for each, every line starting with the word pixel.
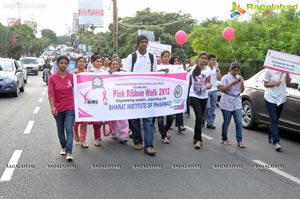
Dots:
pixel 8 80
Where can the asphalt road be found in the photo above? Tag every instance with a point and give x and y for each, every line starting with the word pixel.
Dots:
pixel 28 139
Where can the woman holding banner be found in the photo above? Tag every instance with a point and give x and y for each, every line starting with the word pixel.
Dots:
pixel 97 68
pixel 275 96
pixel 122 126
pixel 80 63
pixel 165 57
pixel 179 116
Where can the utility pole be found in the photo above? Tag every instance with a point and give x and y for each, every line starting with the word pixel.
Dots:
pixel 18 3
pixel 115 26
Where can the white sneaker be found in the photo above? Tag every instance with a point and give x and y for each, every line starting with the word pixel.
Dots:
pixel 278 147
pixel 166 140
pixel 69 157
pixel 62 152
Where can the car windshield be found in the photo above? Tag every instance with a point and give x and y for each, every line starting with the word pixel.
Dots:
pixel 29 61
pixel 6 65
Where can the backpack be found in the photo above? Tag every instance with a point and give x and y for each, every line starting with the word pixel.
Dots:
pixel 134 57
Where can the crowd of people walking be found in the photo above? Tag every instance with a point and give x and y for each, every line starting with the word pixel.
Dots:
pixel 202 74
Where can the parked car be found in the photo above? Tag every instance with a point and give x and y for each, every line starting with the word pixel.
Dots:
pixel 11 77
pixel 24 71
pixel 41 63
pixel 255 111
pixel 31 64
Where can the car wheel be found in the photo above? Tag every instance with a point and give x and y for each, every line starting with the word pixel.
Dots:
pixel 16 93
pixel 22 89
pixel 248 117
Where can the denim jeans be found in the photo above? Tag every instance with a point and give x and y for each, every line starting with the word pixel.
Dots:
pixel 274 114
pixel 137 131
pixel 64 124
pixel 209 114
pixel 237 116
pixel 199 108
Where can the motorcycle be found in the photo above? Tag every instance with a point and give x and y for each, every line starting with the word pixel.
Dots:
pixel 46 74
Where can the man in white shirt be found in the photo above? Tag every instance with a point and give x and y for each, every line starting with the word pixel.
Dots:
pixel 142 63
pixel 209 114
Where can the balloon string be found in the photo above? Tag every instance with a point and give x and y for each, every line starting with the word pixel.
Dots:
pixel 232 50
pixel 183 52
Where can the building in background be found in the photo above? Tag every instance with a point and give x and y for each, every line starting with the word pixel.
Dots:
pixel 75 23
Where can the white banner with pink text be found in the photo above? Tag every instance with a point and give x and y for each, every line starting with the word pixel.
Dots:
pixel 118 96
pixel 282 62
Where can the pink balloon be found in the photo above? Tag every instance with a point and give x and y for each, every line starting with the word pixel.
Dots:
pixel 180 37
pixel 228 33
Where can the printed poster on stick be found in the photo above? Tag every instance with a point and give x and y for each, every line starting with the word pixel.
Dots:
pixel 119 96
pixel 282 62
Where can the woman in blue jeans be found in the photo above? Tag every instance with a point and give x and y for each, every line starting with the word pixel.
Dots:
pixel 61 99
pixel 232 85
pixel 275 95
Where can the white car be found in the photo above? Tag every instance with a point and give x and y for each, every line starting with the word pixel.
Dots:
pixel 31 64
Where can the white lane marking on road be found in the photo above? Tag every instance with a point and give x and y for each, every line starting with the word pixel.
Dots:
pixel 8 172
pixel 36 110
pixel 29 127
pixel 41 99
pixel 275 170
pixel 44 92
pixel 203 135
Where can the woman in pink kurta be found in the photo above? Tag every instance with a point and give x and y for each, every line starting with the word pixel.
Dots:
pixel 119 128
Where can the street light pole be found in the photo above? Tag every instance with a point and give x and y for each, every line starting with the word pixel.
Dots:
pixel 18 3
pixel 115 26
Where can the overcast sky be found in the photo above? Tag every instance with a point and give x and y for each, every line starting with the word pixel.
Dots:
pixel 57 14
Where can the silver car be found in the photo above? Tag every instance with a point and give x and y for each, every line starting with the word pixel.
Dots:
pixel 24 71
pixel 11 77
pixel 31 64
pixel 255 111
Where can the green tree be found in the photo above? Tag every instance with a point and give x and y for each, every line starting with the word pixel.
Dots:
pixel 253 38
pixel 5 40
pixel 164 25
pixel 50 34
pixel 24 36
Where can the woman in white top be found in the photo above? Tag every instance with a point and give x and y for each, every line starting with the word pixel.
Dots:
pixel 198 94
pixel 232 85
pixel 275 96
